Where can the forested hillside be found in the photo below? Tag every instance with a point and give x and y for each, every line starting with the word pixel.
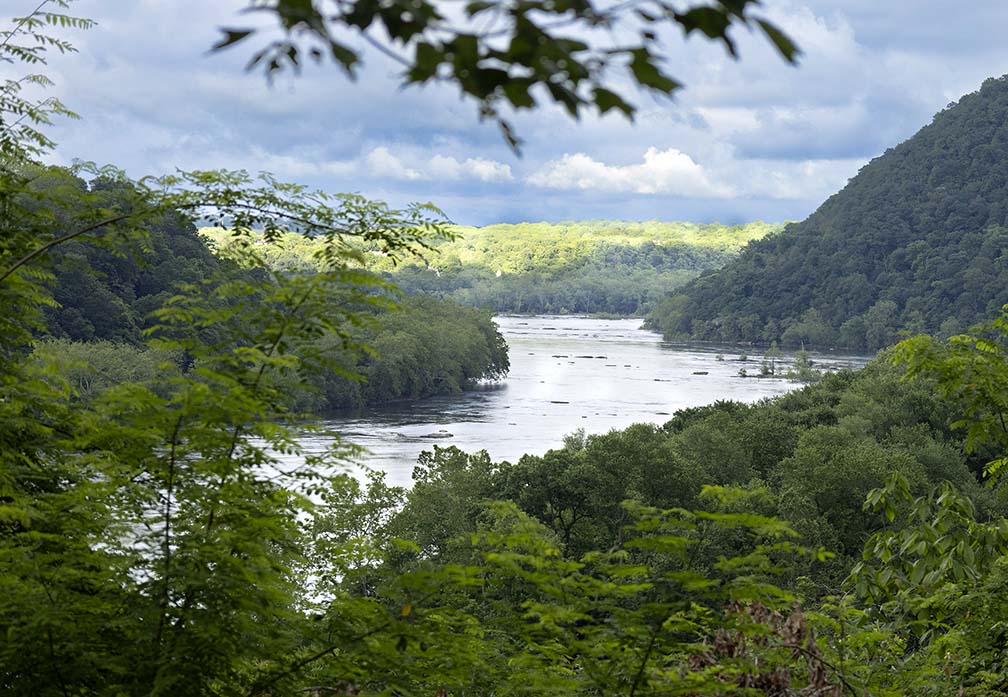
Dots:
pixel 424 347
pixel 107 294
pixel 584 267
pixel 106 291
pixel 916 242
pixel 167 528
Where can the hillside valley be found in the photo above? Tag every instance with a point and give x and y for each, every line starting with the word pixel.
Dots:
pixel 915 243
pixel 260 438
pixel 588 267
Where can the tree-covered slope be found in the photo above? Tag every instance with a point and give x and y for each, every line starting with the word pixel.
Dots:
pixel 110 289
pixel 597 266
pixel 106 286
pixel 585 267
pixel 916 242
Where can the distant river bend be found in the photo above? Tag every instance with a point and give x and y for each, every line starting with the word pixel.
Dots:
pixel 566 373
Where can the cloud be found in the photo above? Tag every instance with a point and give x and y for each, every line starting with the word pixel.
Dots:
pixel 792 180
pixel 745 139
pixel 805 132
pixel 382 163
pixel 674 174
pixel 297 166
pixel 670 172
pixel 447 167
pixel 488 170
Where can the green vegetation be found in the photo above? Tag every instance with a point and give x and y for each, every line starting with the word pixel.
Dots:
pixel 867 465
pixel 153 543
pixel 422 348
pixel 508 54
pixel 108 295
pixel 91 368
pixel 600 267
pixel 107 291
pixel 915 243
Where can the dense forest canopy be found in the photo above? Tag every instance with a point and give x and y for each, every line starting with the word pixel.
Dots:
pixel 108 291
pixel 152 542
pixel 114 293
pixel 422 347
pixel 576 267
pixel 916 242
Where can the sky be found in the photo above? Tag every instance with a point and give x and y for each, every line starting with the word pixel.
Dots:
pixel 747 139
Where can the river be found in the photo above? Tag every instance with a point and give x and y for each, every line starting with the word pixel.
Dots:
pixel 566 373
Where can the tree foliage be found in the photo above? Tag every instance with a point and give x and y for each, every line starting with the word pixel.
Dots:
pixel 504 54
pixel 587 267
pixel 420 348
pixel 970 370
pixel 23 114
pixel 915 243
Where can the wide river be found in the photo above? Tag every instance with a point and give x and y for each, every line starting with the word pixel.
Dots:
pixel 566 373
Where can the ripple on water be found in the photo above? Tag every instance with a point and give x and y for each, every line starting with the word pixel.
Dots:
pixel 508 420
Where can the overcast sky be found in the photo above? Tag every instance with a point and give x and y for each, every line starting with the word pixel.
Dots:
pixel 748 139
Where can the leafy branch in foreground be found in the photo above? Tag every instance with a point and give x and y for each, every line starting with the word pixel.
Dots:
pixel 22 114
pixel 253 208
pixel 970 370
pixel 506 54
pixel 153 539
pixel 516 617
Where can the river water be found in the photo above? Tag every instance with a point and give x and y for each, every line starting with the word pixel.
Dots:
pixel 566 373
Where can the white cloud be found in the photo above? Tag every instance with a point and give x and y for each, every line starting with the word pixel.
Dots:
pixel 382 163
pixel 488 170
pixel 669 172
pixel 292 166
pixel 792 180
pixel 445 167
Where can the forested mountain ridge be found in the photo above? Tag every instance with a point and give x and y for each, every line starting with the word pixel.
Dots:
pixel 614 267
pixel 916 242
pixel 525 247
pixel 109 294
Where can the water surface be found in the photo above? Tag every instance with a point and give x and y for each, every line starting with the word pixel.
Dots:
pixel 566 373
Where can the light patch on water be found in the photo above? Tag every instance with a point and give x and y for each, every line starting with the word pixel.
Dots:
pixel 566 373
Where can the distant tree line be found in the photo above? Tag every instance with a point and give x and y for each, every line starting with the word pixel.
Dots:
pixel 603 267
pixel 424 347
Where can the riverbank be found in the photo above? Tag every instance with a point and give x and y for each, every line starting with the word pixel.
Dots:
pixel 567 373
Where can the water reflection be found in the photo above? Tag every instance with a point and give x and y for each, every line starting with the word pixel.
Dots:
pixel 566 373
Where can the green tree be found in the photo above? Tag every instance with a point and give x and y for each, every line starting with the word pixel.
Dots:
pixel 23 116
pixel 970 370
pixel 151 541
